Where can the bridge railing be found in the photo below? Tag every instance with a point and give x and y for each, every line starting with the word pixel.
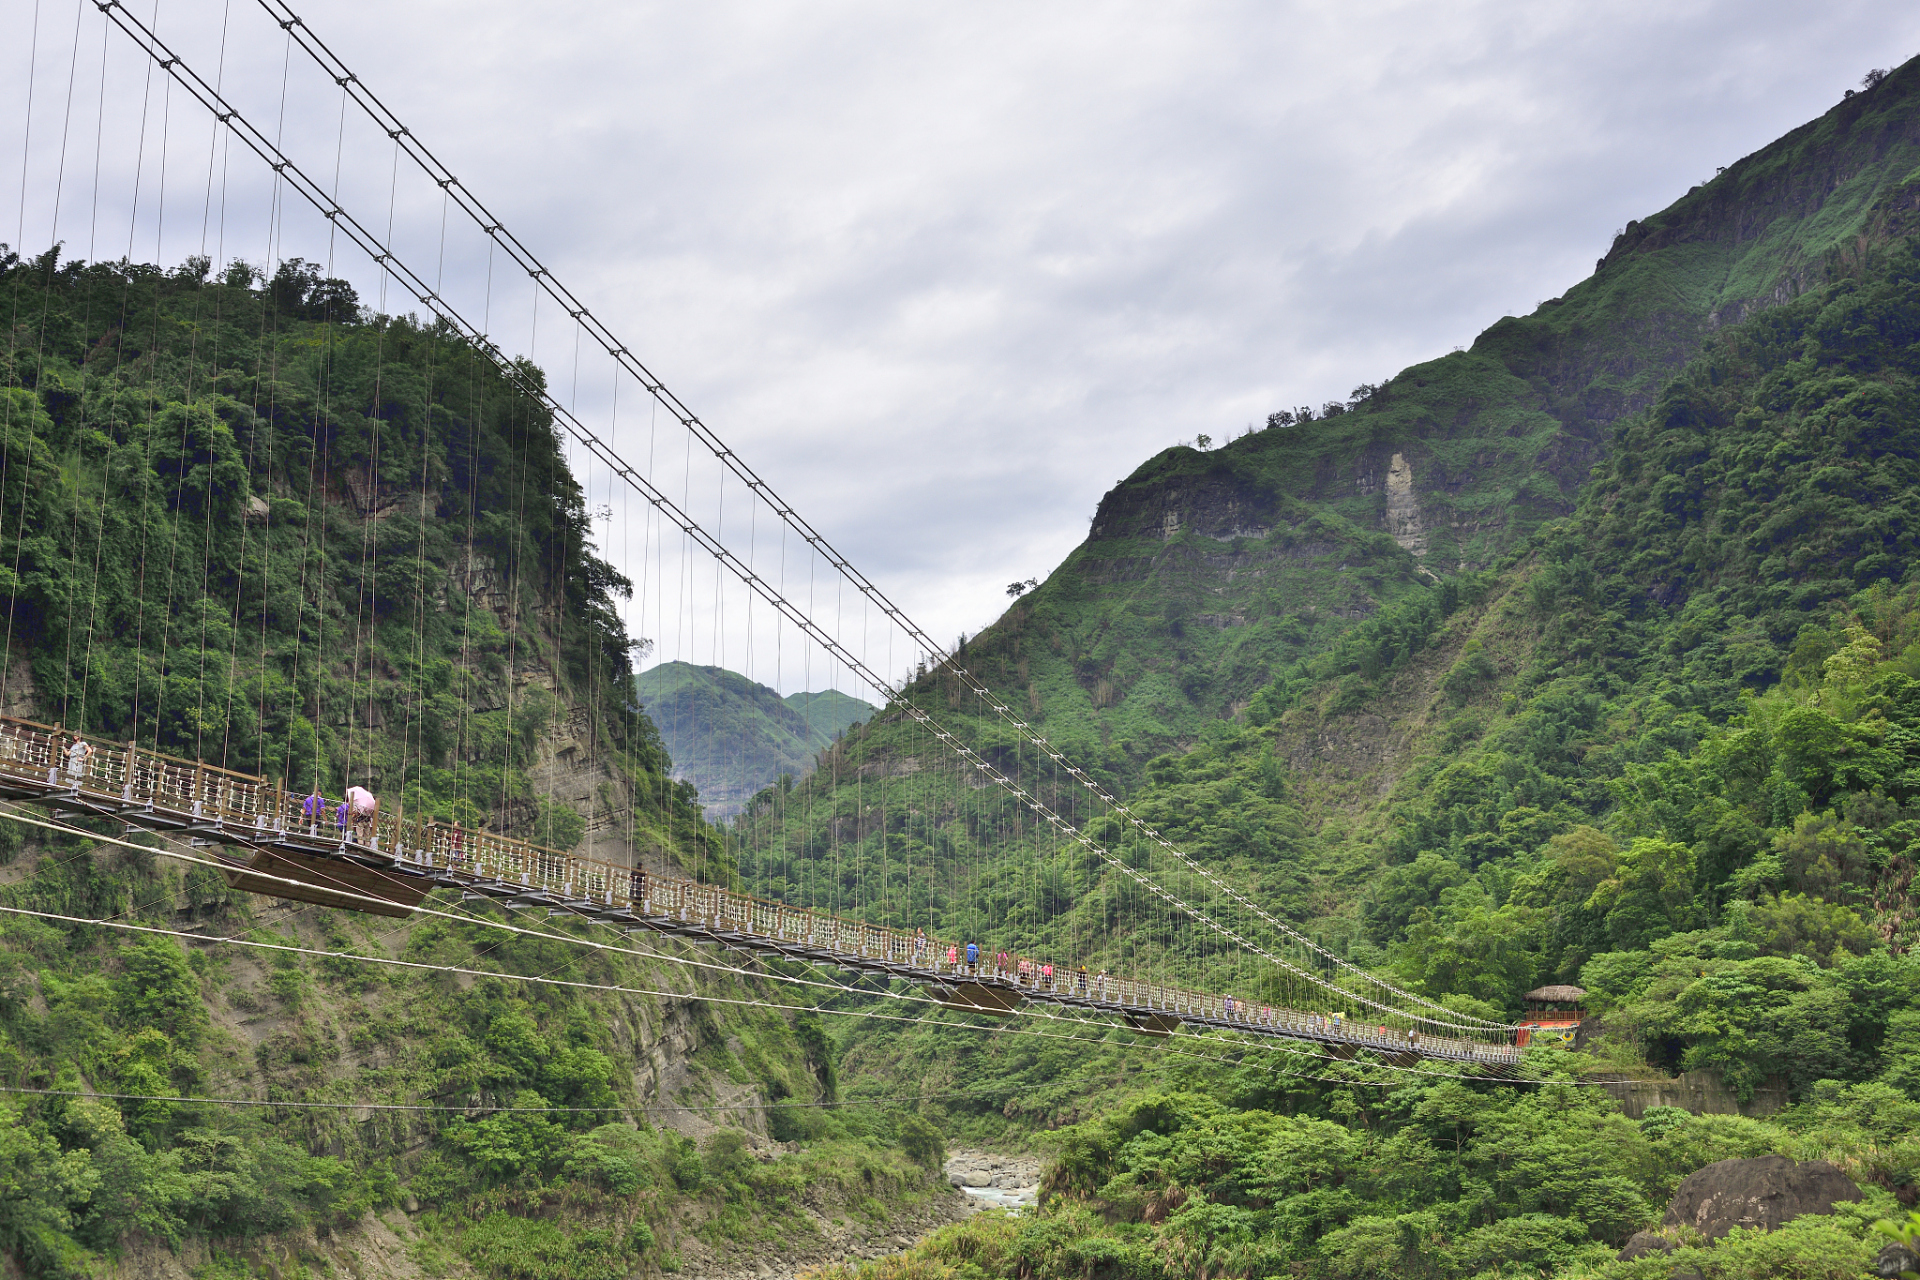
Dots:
pixel 207 796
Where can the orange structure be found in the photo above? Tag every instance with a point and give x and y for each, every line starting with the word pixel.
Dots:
pixel 1553 1015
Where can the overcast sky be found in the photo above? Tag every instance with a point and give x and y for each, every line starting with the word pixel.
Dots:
pixel 945 274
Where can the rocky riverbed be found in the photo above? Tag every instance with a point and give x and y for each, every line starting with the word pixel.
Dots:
pixel 993 1180
pixel 978 1180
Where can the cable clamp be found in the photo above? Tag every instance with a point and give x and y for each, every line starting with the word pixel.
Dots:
pixel 397 134
pixel 167 64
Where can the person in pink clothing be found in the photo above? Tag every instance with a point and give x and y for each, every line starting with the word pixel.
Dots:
pixel 362 809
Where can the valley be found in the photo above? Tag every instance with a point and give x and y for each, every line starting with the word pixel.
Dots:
pixel 1584 657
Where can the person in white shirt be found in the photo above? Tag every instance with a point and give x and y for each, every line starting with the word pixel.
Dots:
pixel 77 761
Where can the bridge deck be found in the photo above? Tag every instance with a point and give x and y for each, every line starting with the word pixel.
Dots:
pixel 403 860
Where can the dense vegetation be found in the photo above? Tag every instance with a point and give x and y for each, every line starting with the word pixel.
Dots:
pixel 575 1182
pixel 259 527
pixel 1434 1181
pixel 1668 749
pixel 251 522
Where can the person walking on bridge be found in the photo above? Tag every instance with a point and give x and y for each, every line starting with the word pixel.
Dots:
pixel 973 957
pixel 362 808
pixel 314 810
pixel 77 754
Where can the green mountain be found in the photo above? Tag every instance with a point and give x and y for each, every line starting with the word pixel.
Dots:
pixel 730 736
pixel 830 711
pixel 257 527
pixel 1590 654
pixel 1202 570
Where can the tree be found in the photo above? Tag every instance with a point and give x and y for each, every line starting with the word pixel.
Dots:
pixel 158 990
pixel 1649 895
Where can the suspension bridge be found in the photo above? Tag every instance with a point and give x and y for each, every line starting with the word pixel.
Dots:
pixel 399 862
pixel 263 838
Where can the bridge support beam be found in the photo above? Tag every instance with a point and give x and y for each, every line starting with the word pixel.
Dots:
pixel 1161 1025
pixel 975 997
pixel 267 871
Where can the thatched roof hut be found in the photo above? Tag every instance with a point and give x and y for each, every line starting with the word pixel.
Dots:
pixel 1561 994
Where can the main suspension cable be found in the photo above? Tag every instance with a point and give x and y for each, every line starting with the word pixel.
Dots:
pixel 376 110
pixel 430 297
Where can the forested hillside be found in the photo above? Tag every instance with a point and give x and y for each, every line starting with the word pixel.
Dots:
pixel 1589 654
pixel 1669 749
pixel 1660 738
pixel 1204 569
pixel 249 522
pixel 730 736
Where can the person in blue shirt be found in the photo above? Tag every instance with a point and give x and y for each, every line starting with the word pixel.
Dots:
pixel 973 955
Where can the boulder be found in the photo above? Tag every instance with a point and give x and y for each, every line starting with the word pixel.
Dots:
pixel 1894 1260
pixel 1762 1193
pixel 1643 1243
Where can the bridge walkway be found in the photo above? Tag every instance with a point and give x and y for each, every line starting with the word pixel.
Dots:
pixel 394 868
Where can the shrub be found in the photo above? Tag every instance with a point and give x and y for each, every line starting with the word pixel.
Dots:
pixel 922 1143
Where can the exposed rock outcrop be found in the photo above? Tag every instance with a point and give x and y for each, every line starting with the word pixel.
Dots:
pixel 1895 1260
pixel 1702 1092
pixel 1403 508
pixel 1642 1243
pixel 1762 1193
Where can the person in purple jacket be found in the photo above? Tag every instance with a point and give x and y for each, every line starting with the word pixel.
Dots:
pixel 314 810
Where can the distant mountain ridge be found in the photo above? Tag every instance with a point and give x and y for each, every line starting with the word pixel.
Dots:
pixel 829 711
pixel 730 736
